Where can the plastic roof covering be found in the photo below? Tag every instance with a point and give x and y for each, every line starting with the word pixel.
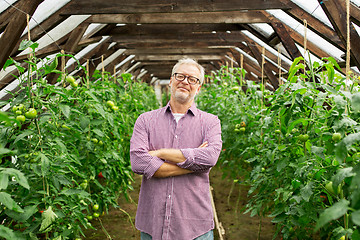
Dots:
pixel 48 7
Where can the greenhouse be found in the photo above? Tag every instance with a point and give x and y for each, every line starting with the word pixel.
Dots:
pixel 180 120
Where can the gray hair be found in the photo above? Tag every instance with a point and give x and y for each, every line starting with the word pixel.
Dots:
pixel 193 62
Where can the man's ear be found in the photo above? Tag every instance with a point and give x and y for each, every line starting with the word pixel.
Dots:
pixel 198 90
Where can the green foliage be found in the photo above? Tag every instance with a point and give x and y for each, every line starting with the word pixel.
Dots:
pixel 286 154
pixel 52 170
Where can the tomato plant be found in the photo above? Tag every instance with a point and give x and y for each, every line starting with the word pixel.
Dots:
pixel 55 163
pixel 287 174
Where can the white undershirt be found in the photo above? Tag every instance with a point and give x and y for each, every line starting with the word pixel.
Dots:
pixel 177 116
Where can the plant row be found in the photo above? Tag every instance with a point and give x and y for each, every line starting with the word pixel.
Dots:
pixel 64 149
pixel 296 147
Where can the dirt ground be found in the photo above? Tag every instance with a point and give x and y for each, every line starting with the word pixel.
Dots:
pixel 118 225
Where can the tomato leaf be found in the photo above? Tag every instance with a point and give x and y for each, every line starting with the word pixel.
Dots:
pixel 355 216
pixel 6 199
pixel 355 235
pixel 341 175
pixel 19 176
pixel 4 180
pixel 306 192
pixel 7 233
pixel 23 135
pixel 45 164
pixel 332 213
pixel 8 63
pixel 48 217
pixel 22 217
pixel 65 109
pixel 355 102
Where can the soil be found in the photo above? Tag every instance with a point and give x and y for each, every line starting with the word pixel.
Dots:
pixel 118 224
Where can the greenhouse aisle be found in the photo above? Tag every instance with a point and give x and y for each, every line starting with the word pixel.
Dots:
pixel 236 225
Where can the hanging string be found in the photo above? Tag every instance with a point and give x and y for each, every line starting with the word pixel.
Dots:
pixel 279 65
pixel 63 67
pixel 347 40
pixel 305 36
pixel 102 66
pixel 87 73
pixel 241 67
pixel 262 66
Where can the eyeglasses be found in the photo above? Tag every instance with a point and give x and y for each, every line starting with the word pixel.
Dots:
pixel 191 79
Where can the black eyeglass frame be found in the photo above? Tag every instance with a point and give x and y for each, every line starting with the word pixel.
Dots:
pixel 190 81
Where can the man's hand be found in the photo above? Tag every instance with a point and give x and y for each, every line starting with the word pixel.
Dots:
pixel 172 155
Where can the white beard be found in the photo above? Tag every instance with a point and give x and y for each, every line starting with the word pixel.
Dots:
pixel 183 97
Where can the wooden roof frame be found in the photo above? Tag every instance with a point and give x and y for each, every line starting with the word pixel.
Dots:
pixel 161 32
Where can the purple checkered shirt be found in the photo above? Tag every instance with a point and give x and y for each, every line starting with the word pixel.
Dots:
pixel 175 208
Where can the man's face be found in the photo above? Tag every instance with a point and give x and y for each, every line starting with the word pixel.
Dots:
pixel 182 91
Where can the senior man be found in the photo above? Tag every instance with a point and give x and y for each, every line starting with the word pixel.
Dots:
pixel 174 148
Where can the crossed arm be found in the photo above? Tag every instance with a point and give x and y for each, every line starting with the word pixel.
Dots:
pixel 173 156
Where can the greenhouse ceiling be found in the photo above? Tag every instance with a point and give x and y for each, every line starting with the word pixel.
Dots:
pixel 145 37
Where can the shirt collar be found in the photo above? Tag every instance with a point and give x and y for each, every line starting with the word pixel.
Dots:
pixel 193 109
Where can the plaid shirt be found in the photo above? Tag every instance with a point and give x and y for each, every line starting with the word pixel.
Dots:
pixel 175 208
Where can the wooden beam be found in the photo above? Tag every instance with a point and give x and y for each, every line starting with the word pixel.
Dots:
pixel 46 26
pixel 267 71
pixel 15 28
pixel 176 38
pixel 54 47
pixel 174 51
pixel 176 57
pixel 146 29
pixel 185 18
pixel 69 48
pixel 314 24
pixel 354 13
pixel 336 13
pixel 159 45
pixel 7 15
pixel 285 38
pixel 151 6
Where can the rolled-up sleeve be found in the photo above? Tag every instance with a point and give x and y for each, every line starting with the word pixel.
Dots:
pixel 141 161
pixel 202 159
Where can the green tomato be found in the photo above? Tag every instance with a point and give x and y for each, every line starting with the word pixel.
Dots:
pixel 277 131
pixel 115 108
pixel 336 137
pixel 83 185
pixel 303 137
pixel 236 88
pixel 294 130
pixel 21 107
pixel 70 79
pixel 94 140
pixel 96 207
pixel 110 103
pixel 31 113
pixel 21 118
pixel 330 188
pixel 15 108
pixel 89 217
pixel 18 112
pixel 242 129
pixel 74 84
pixel 96 215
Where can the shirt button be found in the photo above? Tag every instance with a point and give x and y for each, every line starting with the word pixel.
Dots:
pixel 169 196
pixel 175 136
